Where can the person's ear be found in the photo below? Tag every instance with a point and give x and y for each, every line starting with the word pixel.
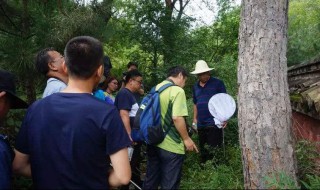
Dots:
pixel 52 66
pixel 2 94
pixel 64 67
pixel 99 74
pixel 100 71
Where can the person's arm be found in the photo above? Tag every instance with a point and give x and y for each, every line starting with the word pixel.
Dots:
pixel 141 91
pixel 121 172
pixel 180 124
pixel 195 115
pixel 124 114
pixel 21 164
pixel 195 110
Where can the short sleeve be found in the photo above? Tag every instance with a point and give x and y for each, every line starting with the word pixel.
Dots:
pixel 194 95
pixel 179 107
pixel 222 87
pixel 116 136
pixel 5 164
pixel 124 100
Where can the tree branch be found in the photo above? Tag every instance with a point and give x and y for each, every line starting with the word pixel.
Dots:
pixel 4 13
pixel 10 33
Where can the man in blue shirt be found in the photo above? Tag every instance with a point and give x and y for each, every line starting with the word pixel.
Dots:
pixel 8 100
pixel 127 105
pixel 203 90
pixel 66 138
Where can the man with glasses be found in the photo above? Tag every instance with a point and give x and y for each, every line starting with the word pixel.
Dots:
pixel 133 66
pixel 203 90
pixel 128 107
pixel 49 62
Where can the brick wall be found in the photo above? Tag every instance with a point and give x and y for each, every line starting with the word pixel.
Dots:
pixel 306 127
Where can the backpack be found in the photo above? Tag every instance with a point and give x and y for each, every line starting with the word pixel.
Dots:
pixel 147 123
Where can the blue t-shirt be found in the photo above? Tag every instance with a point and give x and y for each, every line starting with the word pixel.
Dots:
pixel 6 157
pixel 201 97
pixel 68 137
pixel 101 95
pixel 53 86
pixel 125 100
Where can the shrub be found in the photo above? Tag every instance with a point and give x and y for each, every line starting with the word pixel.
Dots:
pixel 280 180
pixel 224 174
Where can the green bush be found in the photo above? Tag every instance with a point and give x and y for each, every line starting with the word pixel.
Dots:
pixel 307 156
pixel 224 171
pixel 313 182
pixel 280 180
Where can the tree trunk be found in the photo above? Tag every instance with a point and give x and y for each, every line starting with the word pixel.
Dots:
pixel 264 107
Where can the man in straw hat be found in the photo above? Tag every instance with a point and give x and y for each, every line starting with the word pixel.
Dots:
pixel 203 90
pixel 8 100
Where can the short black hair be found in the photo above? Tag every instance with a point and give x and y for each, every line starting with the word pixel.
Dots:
pixel 132 74
pixel 174 71
pixel 42 60
pixel 83 55
pixel 131 63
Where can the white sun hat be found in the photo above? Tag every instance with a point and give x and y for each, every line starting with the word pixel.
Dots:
pixel 221 106
pixel 201 67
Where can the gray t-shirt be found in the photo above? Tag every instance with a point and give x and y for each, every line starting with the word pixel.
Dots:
pixel 53 85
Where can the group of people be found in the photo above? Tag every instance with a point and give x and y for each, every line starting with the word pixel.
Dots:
pixel 74 139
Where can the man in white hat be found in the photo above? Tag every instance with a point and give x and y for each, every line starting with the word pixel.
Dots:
pixel 202 91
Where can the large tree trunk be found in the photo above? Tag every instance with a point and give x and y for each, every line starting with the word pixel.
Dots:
pixel 264 106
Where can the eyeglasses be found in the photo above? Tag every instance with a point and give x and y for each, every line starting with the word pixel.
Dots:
pixel 140 82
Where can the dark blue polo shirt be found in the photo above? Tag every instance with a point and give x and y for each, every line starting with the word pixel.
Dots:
pixel 201 97
pixel 68 137
pixel 6 157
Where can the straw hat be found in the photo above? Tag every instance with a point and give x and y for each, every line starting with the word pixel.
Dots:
pixel 201 67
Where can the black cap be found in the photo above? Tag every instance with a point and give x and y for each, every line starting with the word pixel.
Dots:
pixel 7 85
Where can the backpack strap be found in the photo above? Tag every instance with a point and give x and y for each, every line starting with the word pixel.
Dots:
pixel 162 88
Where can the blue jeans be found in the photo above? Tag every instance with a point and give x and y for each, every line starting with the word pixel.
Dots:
pixel 163 168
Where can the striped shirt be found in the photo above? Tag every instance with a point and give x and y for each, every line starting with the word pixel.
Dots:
pixel 201 97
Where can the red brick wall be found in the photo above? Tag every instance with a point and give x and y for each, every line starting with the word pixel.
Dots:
pixel 306 127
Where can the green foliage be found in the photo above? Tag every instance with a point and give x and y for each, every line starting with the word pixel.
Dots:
pixel 295 97
pixel 227 175
pixel 226 70
pixel 215 42
pixel 313 182
pixel 308 169
pixel 12 124
pixel 307 158
pixel 303 30
pixel 280 180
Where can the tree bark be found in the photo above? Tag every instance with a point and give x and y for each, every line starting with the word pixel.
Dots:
pixel 263 100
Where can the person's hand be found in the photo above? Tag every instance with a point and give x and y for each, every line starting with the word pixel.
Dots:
pixel 130 138
pixel 194 127
pixel 224 124
pixel 190 145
